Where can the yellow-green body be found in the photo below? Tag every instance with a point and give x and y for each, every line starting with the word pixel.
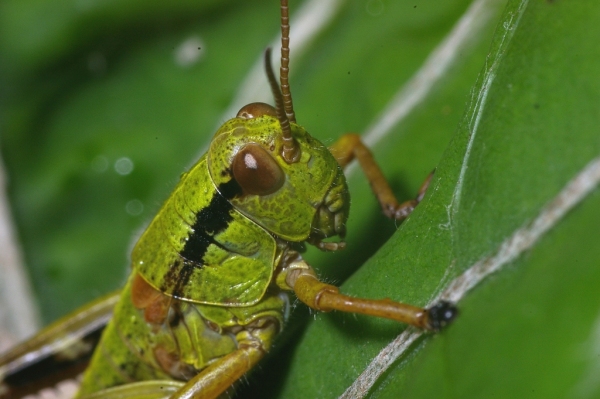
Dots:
pixel 243 251
pixel 126 351
pixel 219 254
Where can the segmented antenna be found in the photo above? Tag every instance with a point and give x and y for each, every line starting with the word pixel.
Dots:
pixel 285 62
pixel 283 102
pixel 290 150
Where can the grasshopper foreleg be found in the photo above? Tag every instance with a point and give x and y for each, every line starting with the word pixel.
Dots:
pixel 350 147
pixel 325 297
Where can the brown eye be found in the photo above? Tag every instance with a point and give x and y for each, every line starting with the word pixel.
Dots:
pixel 255 110
pixel 256 171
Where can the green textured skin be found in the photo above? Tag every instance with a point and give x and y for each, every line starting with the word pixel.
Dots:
pixel 235 284
pixel 238 280
pixel 127 347
pixel 289 212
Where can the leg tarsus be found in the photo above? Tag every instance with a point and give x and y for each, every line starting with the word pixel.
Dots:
pixel 441 314
pixel 424 186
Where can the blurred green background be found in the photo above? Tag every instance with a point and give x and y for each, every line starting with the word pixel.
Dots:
pixel 100 116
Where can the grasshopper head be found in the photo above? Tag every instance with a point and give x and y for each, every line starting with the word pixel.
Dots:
pixel 304 200
pixel 284 179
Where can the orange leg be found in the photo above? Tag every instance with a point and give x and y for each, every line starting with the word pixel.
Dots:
pixel 347 148
pixel 326 297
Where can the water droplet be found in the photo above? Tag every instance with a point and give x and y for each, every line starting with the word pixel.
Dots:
pixel 134 207
pixel 123 166
pixel 189 52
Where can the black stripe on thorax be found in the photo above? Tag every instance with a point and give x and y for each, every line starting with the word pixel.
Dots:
pixel 210 220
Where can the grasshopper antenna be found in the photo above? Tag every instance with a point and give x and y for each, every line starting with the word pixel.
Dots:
pixel 285 62
pixel 283 101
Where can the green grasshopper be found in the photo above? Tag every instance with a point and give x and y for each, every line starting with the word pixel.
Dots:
pixel 208 292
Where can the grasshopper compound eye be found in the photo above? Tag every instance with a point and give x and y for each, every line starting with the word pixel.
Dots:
pixel 255 110
pixel 256 171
